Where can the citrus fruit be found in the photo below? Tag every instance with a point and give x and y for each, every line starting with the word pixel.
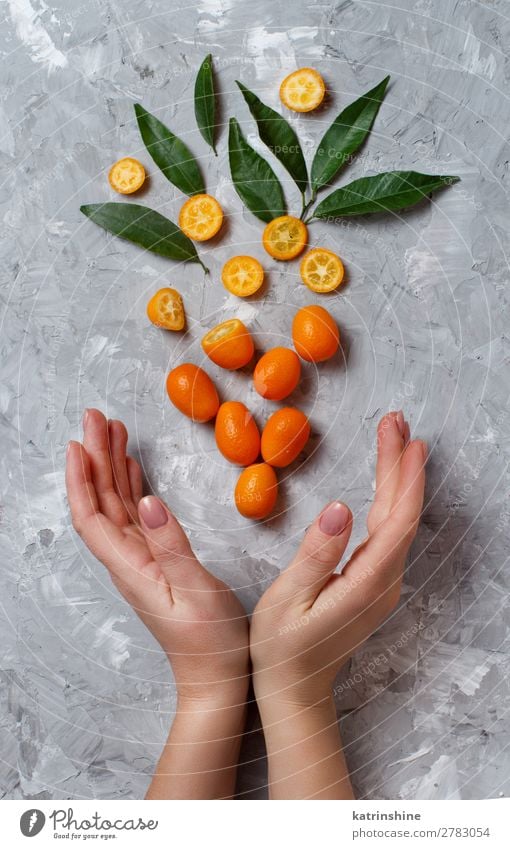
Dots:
pixel 256 491
pixel 201 217
pixel 165 309
pixel 284 436
pixel 321 270
pixel 229 344
pixel 192 391
pixel 126 176
pixel 236 432
pixel 315 334
pixel 277 373
pixel 303 90
pixel 242 275
pixel 285 237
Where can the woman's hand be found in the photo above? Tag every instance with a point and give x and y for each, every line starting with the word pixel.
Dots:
pixel 196 618
pixel 311 620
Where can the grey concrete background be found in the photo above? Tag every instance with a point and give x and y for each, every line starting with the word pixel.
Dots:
pixel 86 695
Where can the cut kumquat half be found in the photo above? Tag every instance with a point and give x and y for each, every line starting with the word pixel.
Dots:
pixel 165 309
pixel 229 344
pixel 242 276
pixel 285 237
pixel 127 176
pixel 201 217
pixel 321 270
pixel 303 90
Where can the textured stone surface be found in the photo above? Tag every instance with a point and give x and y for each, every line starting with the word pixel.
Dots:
pixel 86 696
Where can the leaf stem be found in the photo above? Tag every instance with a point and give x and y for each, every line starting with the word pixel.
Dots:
pixel 306 206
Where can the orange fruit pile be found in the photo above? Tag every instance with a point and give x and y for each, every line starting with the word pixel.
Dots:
pixel 316 338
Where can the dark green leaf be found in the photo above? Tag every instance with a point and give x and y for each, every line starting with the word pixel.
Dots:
pixel 279 136
pixel 205 101
pixel 144 227
pixel 169 153
pixel 346 134
pixel 390 191
pixel 255 181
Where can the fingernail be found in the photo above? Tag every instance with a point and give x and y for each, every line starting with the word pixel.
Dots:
pixel 425 451
pixel 407 433
pixel 334 519
pixel 400 422
pixel 68 448
pixel 152 512
pixel 85 417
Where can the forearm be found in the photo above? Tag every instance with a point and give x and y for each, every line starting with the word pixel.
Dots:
pixel 304 750
pixel 200 757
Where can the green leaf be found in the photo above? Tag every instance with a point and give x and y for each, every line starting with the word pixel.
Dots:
pixel 144 227
pixel 169 153
pixel 346 134
pixel 279 136
pixel 205 102
pixel 390 191
pixel 255 181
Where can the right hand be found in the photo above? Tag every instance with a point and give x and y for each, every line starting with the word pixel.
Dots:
pixel 196 618
pixel 310 621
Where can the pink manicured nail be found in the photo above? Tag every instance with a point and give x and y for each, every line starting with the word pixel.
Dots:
pixel 334 519
pixel 400 422
pixel 85 417
pixel 152 512
pixel 425 451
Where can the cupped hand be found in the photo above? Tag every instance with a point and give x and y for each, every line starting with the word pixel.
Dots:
pixel 197 619
pixel 311 620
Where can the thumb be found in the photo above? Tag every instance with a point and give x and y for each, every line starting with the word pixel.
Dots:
pixel 320 552
pixel 170 546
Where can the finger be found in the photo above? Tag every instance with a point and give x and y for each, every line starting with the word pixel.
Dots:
pixel 390 445
pixel 95 440
pixel 100 535
pixel 117 440
pixel 171 549
pixel 386 549
pixel 319 553
pixel 81 493
pixel 135 480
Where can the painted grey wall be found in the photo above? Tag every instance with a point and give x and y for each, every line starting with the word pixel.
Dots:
pixel 86 695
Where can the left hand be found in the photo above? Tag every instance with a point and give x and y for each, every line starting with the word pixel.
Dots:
pixel 197 619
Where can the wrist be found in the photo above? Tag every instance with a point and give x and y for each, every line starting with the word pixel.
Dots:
pixel 210 699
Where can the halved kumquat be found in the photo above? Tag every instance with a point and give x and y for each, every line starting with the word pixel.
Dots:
pixel 201 217
pixel 229 344
pixel 127 175
pixel 285 237
pixel 321 270
pixel 165 309
pixel 303 90
pixel 242 276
